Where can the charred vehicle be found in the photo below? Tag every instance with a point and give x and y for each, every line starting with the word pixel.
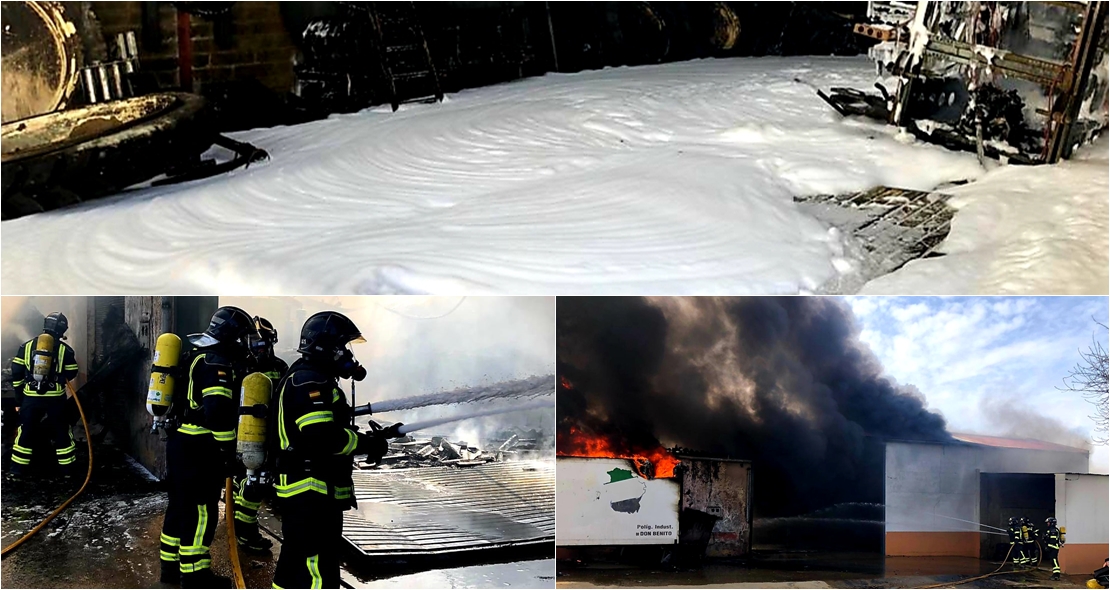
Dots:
pixel 1021 81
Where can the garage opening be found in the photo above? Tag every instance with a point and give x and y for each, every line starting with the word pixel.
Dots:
pixel 1002 495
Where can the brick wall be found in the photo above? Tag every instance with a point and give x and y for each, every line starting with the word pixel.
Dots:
pixel 256 45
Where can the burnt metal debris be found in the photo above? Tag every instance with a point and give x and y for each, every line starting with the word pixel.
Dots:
pixel 433 451
pixel 891 226
pixel 61 147
pixel 1020 81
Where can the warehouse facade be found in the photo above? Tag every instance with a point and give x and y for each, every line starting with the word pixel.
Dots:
pixel 936 495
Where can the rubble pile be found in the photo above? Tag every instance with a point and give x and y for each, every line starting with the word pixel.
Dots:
pixel 409 451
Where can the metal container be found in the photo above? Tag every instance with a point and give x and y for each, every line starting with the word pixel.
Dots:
pixel 601 501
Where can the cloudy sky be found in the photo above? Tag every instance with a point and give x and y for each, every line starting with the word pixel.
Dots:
pixel 991 365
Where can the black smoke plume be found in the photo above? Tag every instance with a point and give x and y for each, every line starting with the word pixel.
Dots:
pixel 784 382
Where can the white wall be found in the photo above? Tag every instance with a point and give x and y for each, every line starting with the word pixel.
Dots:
pixel 932 487
pixel 1083 507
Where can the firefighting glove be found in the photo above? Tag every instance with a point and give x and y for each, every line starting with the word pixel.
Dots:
pixel 372 445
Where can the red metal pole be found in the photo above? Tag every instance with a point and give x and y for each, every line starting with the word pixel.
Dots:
pixel 185 50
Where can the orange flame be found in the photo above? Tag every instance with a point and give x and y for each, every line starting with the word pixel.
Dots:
pixel 649 463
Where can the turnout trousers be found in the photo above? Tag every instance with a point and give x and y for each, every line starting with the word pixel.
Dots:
pixel 193 510
pixel 311 531
pixel 248 499
pixel 1052 558
pixel 44 415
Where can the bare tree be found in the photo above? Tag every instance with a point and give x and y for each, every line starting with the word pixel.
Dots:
pixel 1090 379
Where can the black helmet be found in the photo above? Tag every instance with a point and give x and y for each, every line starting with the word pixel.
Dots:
pixel 324 339
pixel 1013 521
pixel 1050 521
pixel 266 330
pixel 55 324
pixel 262 342
pixel 229 325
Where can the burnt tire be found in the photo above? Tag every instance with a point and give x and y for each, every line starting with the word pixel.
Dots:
pixel 59 175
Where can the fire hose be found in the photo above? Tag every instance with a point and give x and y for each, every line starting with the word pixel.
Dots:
pixel 997 572
pixel 88 476
pixel 232 540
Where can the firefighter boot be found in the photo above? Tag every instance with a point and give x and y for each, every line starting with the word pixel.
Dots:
pixel 205 579
pixel 251 540
pixel 171 573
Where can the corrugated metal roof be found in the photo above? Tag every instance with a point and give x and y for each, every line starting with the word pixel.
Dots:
pixel 435 510
pixel 1014 443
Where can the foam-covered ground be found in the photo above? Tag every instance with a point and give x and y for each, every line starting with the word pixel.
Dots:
pixel 667 179
pixel 1022 231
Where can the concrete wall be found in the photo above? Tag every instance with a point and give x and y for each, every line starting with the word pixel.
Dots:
pixel 931 489
pixel 1082 503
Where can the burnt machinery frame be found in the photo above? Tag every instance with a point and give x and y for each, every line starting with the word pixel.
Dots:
pixel 1024 81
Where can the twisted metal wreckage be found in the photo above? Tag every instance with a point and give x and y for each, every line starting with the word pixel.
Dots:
pixel 1021 81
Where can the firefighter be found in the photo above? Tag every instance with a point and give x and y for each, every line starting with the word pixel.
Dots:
pixel 41 403
pixel 249 492
pixel 316 444
pixel 1017 546
pixel 200 453
pixel 1029 537
pixel 1053 539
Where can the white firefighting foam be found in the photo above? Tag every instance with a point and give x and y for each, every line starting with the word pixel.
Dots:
pixel 667 179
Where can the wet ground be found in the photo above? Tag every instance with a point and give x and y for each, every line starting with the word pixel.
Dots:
pixel 806 570
pixel 108 538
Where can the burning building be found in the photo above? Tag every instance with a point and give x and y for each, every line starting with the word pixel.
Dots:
pixel 614 495
pixel 846 459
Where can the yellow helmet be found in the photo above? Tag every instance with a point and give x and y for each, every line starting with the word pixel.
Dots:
pixel 1093 583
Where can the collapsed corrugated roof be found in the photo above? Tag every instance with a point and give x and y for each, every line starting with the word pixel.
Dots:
pixel 436 510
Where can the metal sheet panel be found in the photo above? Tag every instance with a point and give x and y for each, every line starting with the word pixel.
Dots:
pixel 436 510
pixel 606 502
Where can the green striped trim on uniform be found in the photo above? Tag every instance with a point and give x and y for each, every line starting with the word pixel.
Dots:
pixel 193 550
pixel 241 501
pixel 275 586
pixel 66 460
pixel 189 394
pixel 68 367
pixel 72 448
pixel 193 429
pixel 17 384
pixel 223 435
pixel 189 568
pixel 19 361
pixel 315 418
pixel 334 395
pixel 343 493
pixel 202 524
pixel 171 541
pixel 314 571
pixel 309 484
pixel 244 517
pixel 283 438
pixel 352 442
pixel 167 556
pixel 21 460
pixel 21 449
pixel 51 393
pixel 216 390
